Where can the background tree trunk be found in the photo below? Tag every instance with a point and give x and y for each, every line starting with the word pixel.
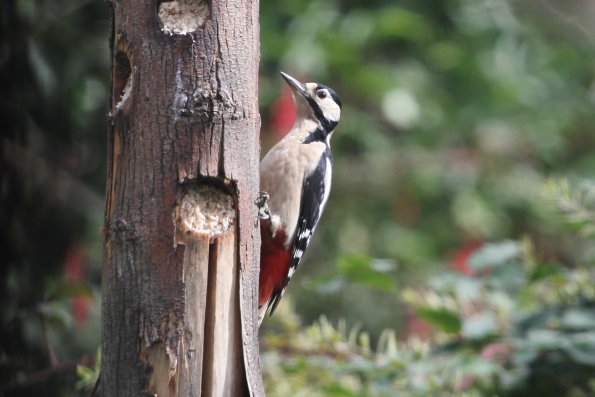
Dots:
pixel 180 274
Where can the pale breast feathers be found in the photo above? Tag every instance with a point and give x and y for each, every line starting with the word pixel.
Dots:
pixel 282 173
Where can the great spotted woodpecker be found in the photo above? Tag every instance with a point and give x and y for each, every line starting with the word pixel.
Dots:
pixel 295 177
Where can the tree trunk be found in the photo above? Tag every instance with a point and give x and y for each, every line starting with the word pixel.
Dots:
pixel 180 273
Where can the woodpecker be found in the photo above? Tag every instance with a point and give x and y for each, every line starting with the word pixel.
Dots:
pixel 295 179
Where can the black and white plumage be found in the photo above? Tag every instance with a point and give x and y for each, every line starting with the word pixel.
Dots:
pixel 296 175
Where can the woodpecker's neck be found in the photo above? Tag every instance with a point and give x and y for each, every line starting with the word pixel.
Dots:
pixel 315 129
pixel 319 135
pixel 311 125
pixel 306 130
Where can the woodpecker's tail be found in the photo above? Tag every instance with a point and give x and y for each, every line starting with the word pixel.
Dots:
pixel 262 311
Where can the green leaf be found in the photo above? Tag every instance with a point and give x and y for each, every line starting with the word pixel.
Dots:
pixel 358 365
pixel 98 360
pixel 544 271
pixel 578 319
pixel 326 285
pixel 84 373
pixel 87 377
pixel 65 290
pixel 581 347
pixel 55 313
pixel 494 254
pixel 336 389
pixel 443 319
pixel 359 269
pixel 543 339
pixel 480 325
pixel 507 276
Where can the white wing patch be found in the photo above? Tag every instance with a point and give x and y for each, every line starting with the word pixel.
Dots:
pixel 327 184
pixel 307 233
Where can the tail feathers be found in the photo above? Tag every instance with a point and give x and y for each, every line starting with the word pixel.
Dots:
pixel 262 311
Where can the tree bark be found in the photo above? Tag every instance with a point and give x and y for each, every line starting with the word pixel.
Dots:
pixel 180 272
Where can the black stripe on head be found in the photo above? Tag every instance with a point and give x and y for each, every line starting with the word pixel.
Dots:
pixel 317 111
pixel 327 124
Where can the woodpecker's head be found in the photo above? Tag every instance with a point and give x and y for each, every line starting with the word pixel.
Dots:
pixel 315 101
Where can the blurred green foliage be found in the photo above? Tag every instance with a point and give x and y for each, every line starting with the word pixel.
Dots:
pixel 456 114
pixel 517 326
pixel 89 377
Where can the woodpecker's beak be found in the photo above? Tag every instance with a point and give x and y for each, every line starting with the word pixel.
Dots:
pixel 295 85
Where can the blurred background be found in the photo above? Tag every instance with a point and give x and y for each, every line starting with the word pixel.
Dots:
pixel 455 256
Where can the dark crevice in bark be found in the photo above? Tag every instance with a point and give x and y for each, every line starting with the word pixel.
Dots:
pixel 122 74
pixel 208 352
pixel 221 163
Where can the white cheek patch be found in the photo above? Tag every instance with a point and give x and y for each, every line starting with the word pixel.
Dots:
pixel 330 109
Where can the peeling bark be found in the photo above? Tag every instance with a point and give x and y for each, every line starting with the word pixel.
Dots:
pixel 179 305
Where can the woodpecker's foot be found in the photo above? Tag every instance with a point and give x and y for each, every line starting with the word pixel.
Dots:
pixel 263 207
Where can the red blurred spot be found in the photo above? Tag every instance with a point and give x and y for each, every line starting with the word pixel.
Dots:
pixel 418 327
pixel 80 308
pixel 460 258
pixel 76 256
pixel 495 351
pixel 283 114
pixel 74 266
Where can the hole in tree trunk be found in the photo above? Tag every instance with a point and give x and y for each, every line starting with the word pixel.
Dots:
pixel 122 79
pixel 183 16
pixel 205 209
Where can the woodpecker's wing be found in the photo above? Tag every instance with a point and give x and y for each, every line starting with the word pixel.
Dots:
pixel 315 192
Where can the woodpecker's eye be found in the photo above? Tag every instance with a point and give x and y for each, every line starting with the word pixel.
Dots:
pixel 321 94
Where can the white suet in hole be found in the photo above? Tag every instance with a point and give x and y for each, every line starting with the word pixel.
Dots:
pixel 125 92
pixel 183 16
pixel 206 209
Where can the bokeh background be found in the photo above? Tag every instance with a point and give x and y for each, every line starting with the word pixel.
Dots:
pixel 455 256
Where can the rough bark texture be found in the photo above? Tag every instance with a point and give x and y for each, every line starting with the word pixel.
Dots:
pixel 179 307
